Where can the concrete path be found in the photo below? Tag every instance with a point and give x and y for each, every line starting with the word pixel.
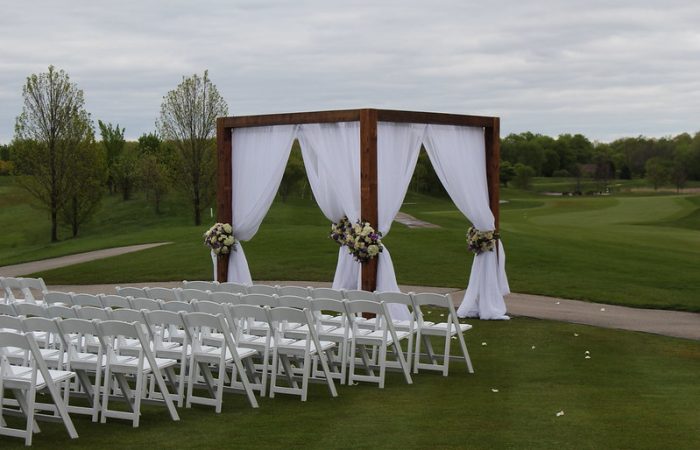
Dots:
pixel 668 323
pixel 54 263
pixel 412 222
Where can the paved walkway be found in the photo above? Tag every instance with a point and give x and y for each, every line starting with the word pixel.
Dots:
pixel 54 263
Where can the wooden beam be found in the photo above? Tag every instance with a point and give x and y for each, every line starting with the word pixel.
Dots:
pixel 493 156
pixel 390 115
pixel 350 115
pixel 368 187
pixel 224 212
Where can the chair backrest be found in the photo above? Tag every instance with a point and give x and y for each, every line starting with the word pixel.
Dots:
pixel 293 301
pixel 208 307
pixel 198 324
pixel 111 332
pixel 262 289
pixel 130 291
pixel 145 303
pixel 165 294
pixel 355 294
pixel 61 298
pixel 34 288
pixel 13 289
pixel 233 288
pixel 318 305
pixel 241 317
pixel 177 307
pixel 354 307
pixel 431 299
pixel 334 294
pixel 187 295
pixel 29 310
pixel 115 301
pixel 27 343
pixel 86 300
pixel 92 313
pixel 61 312
pixel 8 309
pixel 128 315
pixel 280 316
pixel 298 291
pixel 260 300
pixel 225 297
pixel 395 297
pixel 11 323
pixel 70 328
pixel 159 322
pixel 201 285
pixel 49 326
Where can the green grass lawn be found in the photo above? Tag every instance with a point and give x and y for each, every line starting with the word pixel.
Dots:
pixel 634 250
pixel 636 391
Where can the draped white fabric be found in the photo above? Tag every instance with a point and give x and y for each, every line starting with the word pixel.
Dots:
pixel 331 153
pixel 398 145
pixel 459 159
pixel 259 158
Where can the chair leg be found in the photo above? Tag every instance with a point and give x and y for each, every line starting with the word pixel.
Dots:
pixel 138 393
pixel 305 377
pixel 465 352
pixel 382 364
pixel 446 356
pixel 416 354
pixel 273 380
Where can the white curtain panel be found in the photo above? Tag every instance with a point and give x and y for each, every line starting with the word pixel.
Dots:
pixel 331 153
pixel 459 159
pixel 398 145
pixel 259 158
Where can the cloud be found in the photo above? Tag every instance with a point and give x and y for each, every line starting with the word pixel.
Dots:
pixel 606 69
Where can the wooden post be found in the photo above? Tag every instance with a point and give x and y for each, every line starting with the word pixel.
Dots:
pixel 493 156
pixel 224 213
pixel 368 187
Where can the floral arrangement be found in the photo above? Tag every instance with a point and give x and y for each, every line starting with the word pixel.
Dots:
pixel 481 241
pixel 363 242
pixel 220 239
pixel 340 230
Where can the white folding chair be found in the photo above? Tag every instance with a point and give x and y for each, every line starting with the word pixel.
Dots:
pixel 198 326
pixel 333 294
pixel 170 342
pixel 86 300
pixel 149 304
pixel 34 288
pixel 61 312
pixel 8 309
pixel 130 291
pixel 86 360
pixel 225 297
pixel 339 332
pixel 294 301
pixel 260 300
pixel 298 291
pixel 240 319
pixel 201 285
pixel 114 301
pixel 14 290
pixel 29 309
pixel 302 352
pixel 178 306
pixel 447 329
pixel 93 313
pixel 25 382
pixel 187 295
pixel 262 289
pixel 381 338
pixel 58 298
pixel 119 366
pixel 408 325
pixel 232 288
pixel 165 294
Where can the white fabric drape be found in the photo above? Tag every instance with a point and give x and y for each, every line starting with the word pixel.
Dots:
pixel 331 153
pixel 458 157
pixel 259 158
pixel 398 145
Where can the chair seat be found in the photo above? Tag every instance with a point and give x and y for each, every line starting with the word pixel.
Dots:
pixel 85 361
pixel 20 377
pixel 129 364
pixel 294 346
pixel 441 328
pixel 377 336
pixel 210 354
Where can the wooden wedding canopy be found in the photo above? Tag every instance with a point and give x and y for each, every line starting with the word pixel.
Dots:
pixel 368 119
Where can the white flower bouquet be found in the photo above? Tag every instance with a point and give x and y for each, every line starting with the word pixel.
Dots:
pixel 339 231
pixel 481 241
pixel 219 238
pixel 363 242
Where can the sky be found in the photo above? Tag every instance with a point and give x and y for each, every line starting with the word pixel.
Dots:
pixel 606 69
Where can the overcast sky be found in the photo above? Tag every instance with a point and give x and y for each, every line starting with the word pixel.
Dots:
pixel 603 68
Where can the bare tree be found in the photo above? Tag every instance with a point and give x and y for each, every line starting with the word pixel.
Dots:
pixel 188 119
pixel 52 124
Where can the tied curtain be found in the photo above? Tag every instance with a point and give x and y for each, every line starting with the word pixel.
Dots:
pixel 259 158
pixel 398 145
pixel 459 159
pixel 331 153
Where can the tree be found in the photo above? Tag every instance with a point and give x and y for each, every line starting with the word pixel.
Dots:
pixel 89 176
pixel 113 143
pixel 53 123
pixel 506 172
pixel 154 174
pixel 658 171
pixel 294 175
pixel 188 119
pixel 125 170
pixel 523 176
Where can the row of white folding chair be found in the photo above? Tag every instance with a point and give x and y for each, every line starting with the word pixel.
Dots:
pixel 22 289
pixel 24 371
pixel 89 348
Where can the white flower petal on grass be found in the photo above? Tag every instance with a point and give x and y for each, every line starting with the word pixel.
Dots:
pixel 558 303
pixel 454 337
pixel 588 356
pixel 576 334
pixel 533 347
pixel 483 344
pixel 602 309
pixel 560 413
pixel 587 352
pixel 494 390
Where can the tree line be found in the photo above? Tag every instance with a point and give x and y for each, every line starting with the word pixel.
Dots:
pixel 59 161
